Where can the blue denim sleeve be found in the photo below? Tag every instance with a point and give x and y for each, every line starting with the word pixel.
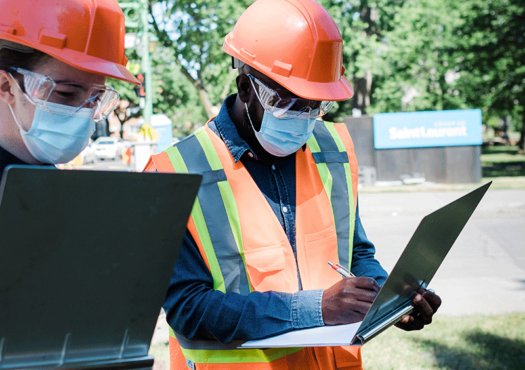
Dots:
pixel 197 311
pixel 364 262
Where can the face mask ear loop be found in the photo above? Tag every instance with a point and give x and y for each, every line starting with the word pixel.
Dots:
pixel 249 118
pixel 16 119
pixel 11 108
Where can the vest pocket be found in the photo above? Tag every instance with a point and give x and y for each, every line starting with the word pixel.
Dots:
pixel 265 267
pixel 348 357
pixel 319 248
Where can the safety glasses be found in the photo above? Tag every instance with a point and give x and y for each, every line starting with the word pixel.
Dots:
pixel 41 89
pixel 288 107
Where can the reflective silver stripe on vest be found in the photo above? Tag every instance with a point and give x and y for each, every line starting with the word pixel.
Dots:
pixel 212 205
pixel 335 160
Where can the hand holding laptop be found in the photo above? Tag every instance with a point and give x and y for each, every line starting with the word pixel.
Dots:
pixel 348 301
pixel 425 303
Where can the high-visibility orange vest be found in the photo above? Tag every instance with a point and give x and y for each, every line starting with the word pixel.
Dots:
pixel 227 218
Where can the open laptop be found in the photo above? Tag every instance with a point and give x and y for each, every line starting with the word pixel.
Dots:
pixel 85 263
pixel 416 267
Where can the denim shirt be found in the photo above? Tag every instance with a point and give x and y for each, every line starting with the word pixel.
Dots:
pixel 197 311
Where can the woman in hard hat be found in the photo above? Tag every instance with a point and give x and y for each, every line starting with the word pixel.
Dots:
pixel 55 56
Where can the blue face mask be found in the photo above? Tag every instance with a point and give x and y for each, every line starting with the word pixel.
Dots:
pixel 283 136
pixel 60 136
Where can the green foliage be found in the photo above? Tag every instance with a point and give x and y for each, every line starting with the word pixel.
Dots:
pixel 195 31
pixel 415 54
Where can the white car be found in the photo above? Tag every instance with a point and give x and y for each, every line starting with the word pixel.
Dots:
pixel 107 147
pixel 88 155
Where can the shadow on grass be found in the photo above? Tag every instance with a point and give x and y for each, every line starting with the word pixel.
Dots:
pixel 490 352
pixel 504 169
pixel 503 160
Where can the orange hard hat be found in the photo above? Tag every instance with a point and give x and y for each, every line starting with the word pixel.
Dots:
pixel 86 34
pixel 294 42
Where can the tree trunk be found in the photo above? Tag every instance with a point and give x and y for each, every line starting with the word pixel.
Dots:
pixel 206 102
pixel 362 87
pixel 521 143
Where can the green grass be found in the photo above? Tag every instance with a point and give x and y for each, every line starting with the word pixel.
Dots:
pixel 502 160
pixel 452 343
pixel 449 343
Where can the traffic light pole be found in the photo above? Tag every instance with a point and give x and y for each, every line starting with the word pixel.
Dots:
pixel 136 13
pixel 146 62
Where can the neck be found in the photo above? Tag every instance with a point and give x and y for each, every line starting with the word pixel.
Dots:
pixel 10 138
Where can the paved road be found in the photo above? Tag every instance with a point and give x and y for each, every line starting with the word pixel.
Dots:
pixel 484 273
pixel 108 165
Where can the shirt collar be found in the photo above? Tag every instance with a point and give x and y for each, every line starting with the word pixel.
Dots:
pixel 228 132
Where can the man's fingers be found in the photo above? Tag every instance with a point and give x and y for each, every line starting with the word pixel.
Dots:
pixel 423 308
pixel 409 322
pixel 362 283
pixel 432 298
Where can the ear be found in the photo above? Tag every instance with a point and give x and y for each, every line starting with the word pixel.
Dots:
pixel 244 88
pixel 6 86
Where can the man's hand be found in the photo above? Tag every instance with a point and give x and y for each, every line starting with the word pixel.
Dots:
pixel 348 300
pixel 425 303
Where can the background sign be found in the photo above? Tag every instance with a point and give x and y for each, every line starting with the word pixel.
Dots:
pixel 427 129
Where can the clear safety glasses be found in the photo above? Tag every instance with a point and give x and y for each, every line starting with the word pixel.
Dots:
pixel 289 107
pixel 41 89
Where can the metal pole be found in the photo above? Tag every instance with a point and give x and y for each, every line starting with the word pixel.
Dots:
pixel 146 63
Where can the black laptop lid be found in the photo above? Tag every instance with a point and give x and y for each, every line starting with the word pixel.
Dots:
pixel 85 261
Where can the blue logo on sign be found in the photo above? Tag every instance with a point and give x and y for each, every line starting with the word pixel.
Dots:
pixel 427 129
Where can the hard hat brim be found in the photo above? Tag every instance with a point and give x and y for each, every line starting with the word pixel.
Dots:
pixel 80 60
pixel 333 91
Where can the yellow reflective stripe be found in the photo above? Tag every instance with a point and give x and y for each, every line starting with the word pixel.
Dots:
pixel 324 172
pixel 348 175
pixel 176 160
pixel 209 149
pixel 228 199
pixel 338 141
pixel 200 224
pixel 230 205
pixel 203 356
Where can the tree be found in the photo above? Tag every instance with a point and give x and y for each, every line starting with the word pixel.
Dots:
pixel 362 24
pixel 490 55
pixel 414 71
pixel 195 31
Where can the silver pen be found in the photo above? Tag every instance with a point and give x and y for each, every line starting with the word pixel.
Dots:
pixel 340 269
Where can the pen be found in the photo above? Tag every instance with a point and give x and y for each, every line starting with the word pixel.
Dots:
pixel 340 269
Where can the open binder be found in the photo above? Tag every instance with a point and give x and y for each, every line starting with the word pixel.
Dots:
pixel 85 263
pixel 416 267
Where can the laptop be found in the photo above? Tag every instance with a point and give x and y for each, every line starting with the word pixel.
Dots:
pixel 85 262
pixel 416 267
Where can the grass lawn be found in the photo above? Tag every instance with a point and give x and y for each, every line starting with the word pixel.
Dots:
pixel 502 160
pixel 450 343
pixel 455 343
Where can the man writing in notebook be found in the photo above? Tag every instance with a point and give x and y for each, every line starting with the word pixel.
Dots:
pixel 277 202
